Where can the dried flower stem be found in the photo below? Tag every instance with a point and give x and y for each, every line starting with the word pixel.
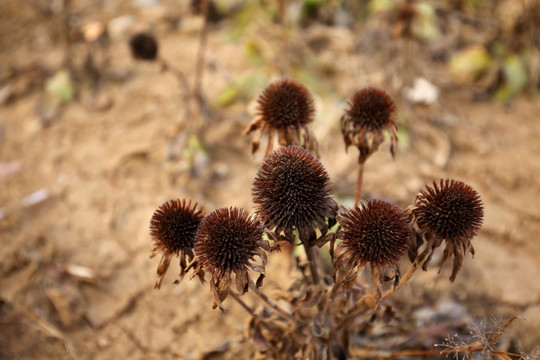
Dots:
pixel 359 182
pixel 312 258
pixel 199 66
pixel 364 353
pixel 283 313
pixel 402 281
pixel 469 350
pixel 181 77
pixel 248 309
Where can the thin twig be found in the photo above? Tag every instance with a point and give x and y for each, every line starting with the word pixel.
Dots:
pixel 181 77
pixel 199 66
pixel 283 313
pixel 248 309
pixel 359 182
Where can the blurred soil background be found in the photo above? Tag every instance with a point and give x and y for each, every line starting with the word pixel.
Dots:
pixel 92 142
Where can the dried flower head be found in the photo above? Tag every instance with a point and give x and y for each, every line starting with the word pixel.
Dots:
pixel 406 14
pixel 377 233
pixel 173 228
pixel 143 46
pixel 285 107
pixel 371 111
pixel 292 190
pixel 450 211
pixel 226 243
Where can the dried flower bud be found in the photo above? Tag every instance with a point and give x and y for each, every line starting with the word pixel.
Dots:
pixel 285 107
pixel 173 228
pixel 378 233
pixel 143 47
pixel 451 211
pixel 292 191
pixel 371 111
pixel 227 242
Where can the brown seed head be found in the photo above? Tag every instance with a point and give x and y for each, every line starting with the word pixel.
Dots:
pixel 227 240
pixel 450 211
pixel 286 103
pixel 292 190
pixel 143 46
pixel 372 109
pixel 173 226
pixel 377 233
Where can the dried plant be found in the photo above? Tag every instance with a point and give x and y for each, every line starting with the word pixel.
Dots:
pixel 285 107
pixel 452 212
pixel 292 191
pixel 226 244
pixel 143 46
pixel 173 228
pixel 378 233
pixel 292 194
pixel 371 112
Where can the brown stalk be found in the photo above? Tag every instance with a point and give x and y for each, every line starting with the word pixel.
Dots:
pixel 248 309
pixel 199 65
pixel 359 182
pixel 280 311
pixel 181 77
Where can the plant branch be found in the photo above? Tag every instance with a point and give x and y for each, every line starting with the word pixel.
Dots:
pixel 402 281
pixel 283 313
pixel 248 309
pixel 359 182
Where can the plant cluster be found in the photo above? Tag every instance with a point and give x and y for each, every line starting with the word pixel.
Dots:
pixel 292 196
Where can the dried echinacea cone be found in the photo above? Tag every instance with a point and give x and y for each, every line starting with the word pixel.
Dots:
pixel 450 211
pixel 227 242
pixel 143 46
pixel 292 190
pixel 173 228
pixel 377 233
pixel 285 107
pixel 371 112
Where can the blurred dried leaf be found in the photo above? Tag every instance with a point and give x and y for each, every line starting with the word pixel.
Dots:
pixel 470 62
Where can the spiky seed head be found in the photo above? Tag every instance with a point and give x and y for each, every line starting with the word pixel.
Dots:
pixel 286 103
pixel 372 109
pixel 143 46
pixel 377 233
pixel 227 240
pixel 293 190
pixel 174 225
pixel 371 112
pixel 451 211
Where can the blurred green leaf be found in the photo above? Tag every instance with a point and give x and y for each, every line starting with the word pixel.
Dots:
pixel 470 62
pixel 254 53
pixel 515 76
pixel 227 96
pixel 426 25
pixel 241 21
pixel 402 132
pixel 244 88
pixel 376 6
pixel 59 87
